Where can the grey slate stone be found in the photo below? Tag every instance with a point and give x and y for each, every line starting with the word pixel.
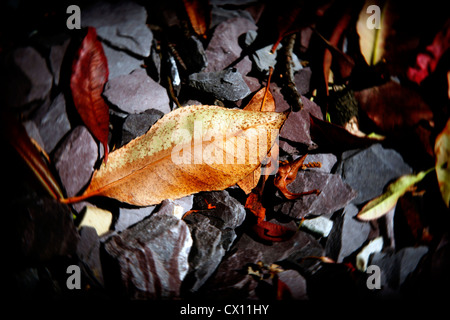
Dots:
pixel 138 124
pixel 334 195
pixel 224 47
pixel 26 78
pixel 120 63
pixel 152 256
pixel 52 122
pixel 130 216
pixel 347 235
pixel 223 85
pixel 368 171
pixel 136 93
pixel 122 25
pixel 75 159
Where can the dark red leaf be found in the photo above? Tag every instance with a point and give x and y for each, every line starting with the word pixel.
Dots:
pixel 393 107
pixel 89 75
pixel 336 138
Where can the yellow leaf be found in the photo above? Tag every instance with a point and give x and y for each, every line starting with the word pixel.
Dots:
pixel 381 205
pixel 442 152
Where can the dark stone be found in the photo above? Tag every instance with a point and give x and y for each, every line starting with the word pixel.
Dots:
pixel 88 251
pixel 224 48
pixel 296 284
pixel 368 171
pixel 120 63
pixel 302 80
pixel 122 25
pixel 56 57
pixel 52 122
pixel 39 230
pixel 232 280
pixel 25 79
pixel 348 234
pixel 334 195
pixel 75 159
pixel 136 125
pixel 295 137
pixel 223 85
pixel 136 93
pixel 130 216
pixel 152 256
pixel 207 250
pixel 396 267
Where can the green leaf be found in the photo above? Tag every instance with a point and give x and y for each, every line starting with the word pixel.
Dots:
pixel 381 205
pixel 442 152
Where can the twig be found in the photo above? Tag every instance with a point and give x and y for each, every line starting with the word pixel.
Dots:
pixel 292 92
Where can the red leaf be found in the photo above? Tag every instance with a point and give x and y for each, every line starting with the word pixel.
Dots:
pixel 272 232
pixel 427 61
pixel 89 75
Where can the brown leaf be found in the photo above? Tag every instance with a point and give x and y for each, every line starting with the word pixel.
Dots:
pixel 336 138
pixel 16 135
pixel 287 173
pixel 89 75
pixel 261 101
pixel 199 13
pixel 392 106
pixel 191 149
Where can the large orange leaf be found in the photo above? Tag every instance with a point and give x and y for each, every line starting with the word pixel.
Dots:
pixel 191 149
pixel 89 75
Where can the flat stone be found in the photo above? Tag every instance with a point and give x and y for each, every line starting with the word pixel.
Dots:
pixel 396 267
pixel 120 63
pixel 152 257
pixel 136 93
pixel 26 78
pixel 136 125
pixel 130 216
pixel 327 161
pixel 75 159
pixel 56 57
pixel 231 280
pixel 296 284
pixel 122 25
pixel 223 85
pixel 88 251
pixel 208 252
pixel 334 195
pixel 52 122
pixel 224 47
pixel 220 14
pixel 348 234
pixel 302 80
pixel 294 135
pixel 369 170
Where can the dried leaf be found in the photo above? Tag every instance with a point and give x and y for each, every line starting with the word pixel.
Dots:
pixel 191 149
pixel 287 174
pixel 89 75
pixel 381 205
pixel 336 138
pixel 392 106
pixel 442 152
pixel 372 36
pixel 199 13
pixel 16 135
pixel 272 232
pixel 261 101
